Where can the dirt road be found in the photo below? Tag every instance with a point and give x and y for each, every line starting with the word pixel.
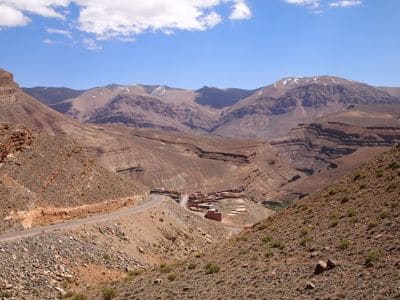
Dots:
pixel 155 200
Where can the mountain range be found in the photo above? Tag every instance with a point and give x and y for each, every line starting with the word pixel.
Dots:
pixel 270 111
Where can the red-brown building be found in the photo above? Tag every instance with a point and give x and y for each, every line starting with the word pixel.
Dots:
pixel 214 215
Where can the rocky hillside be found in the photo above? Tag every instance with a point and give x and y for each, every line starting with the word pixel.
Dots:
pixel 158 107
pixel 274 110
pixel 39 171
pixel 16 107
pixel 340 243
pixel 267 112
pixel 64 264
pixel 335 144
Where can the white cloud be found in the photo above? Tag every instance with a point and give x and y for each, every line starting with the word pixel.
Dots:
pixel 106 19
pixel 52 42
pixel 314 4
pixel 241 11
pixel 11 17
pixel 44 8
pixel 91 44
pixel 345 3
pixel 65 33
pixel 318 5
pixel 122 19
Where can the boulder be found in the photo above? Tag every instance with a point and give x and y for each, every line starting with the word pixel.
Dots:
pixel 310 286
pixel 331 264
pixel 320 267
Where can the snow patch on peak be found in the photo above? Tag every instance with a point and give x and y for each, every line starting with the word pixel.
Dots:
pixel 159 91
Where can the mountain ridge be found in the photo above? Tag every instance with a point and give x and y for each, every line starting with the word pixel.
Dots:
pixel 269 111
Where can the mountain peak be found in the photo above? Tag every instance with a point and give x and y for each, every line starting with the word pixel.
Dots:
pixel 298 81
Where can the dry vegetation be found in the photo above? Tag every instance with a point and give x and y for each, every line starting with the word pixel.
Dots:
pixel 354 223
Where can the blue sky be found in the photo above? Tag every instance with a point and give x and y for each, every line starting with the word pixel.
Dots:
pixel 223 43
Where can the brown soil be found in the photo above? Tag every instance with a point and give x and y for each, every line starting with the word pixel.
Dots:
pixel 40 175
pixel 355 222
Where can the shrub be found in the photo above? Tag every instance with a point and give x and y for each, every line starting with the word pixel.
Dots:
pixel 79 297
pixel 351 212
pixel 372 224
pixel 354 220
pixel 135 272
pixel 384 214
pixel 266 239
pixel 278 244
pixel 164 268
pixel 260 227
pixel 68 294
pixel 192 266
pixel 6 294
pixel 344 199
pixel 362 186
pixel 394 165
pixel 334 216
pixel 242 237
pixel 109 293
pixel 393 186
pixel 304 231
pixel 343 244
pixel 107 257
pixel 372 257
pixel 305 241
pixel 211 268
pixel 269 253
pixel 171 277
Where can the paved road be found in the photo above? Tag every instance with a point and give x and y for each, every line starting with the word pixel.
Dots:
pixel 155 200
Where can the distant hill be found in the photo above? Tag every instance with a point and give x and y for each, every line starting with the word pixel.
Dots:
pixel 394 91
pixel 275 109
pixel 220 98
pixel 52 95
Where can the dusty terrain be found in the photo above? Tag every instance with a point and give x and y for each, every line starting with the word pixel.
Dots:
pixel 354 223
pixel 40 174
pixel 51 264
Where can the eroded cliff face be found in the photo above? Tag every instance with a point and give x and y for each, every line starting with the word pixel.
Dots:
pixel 315 146
pixel 7 88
